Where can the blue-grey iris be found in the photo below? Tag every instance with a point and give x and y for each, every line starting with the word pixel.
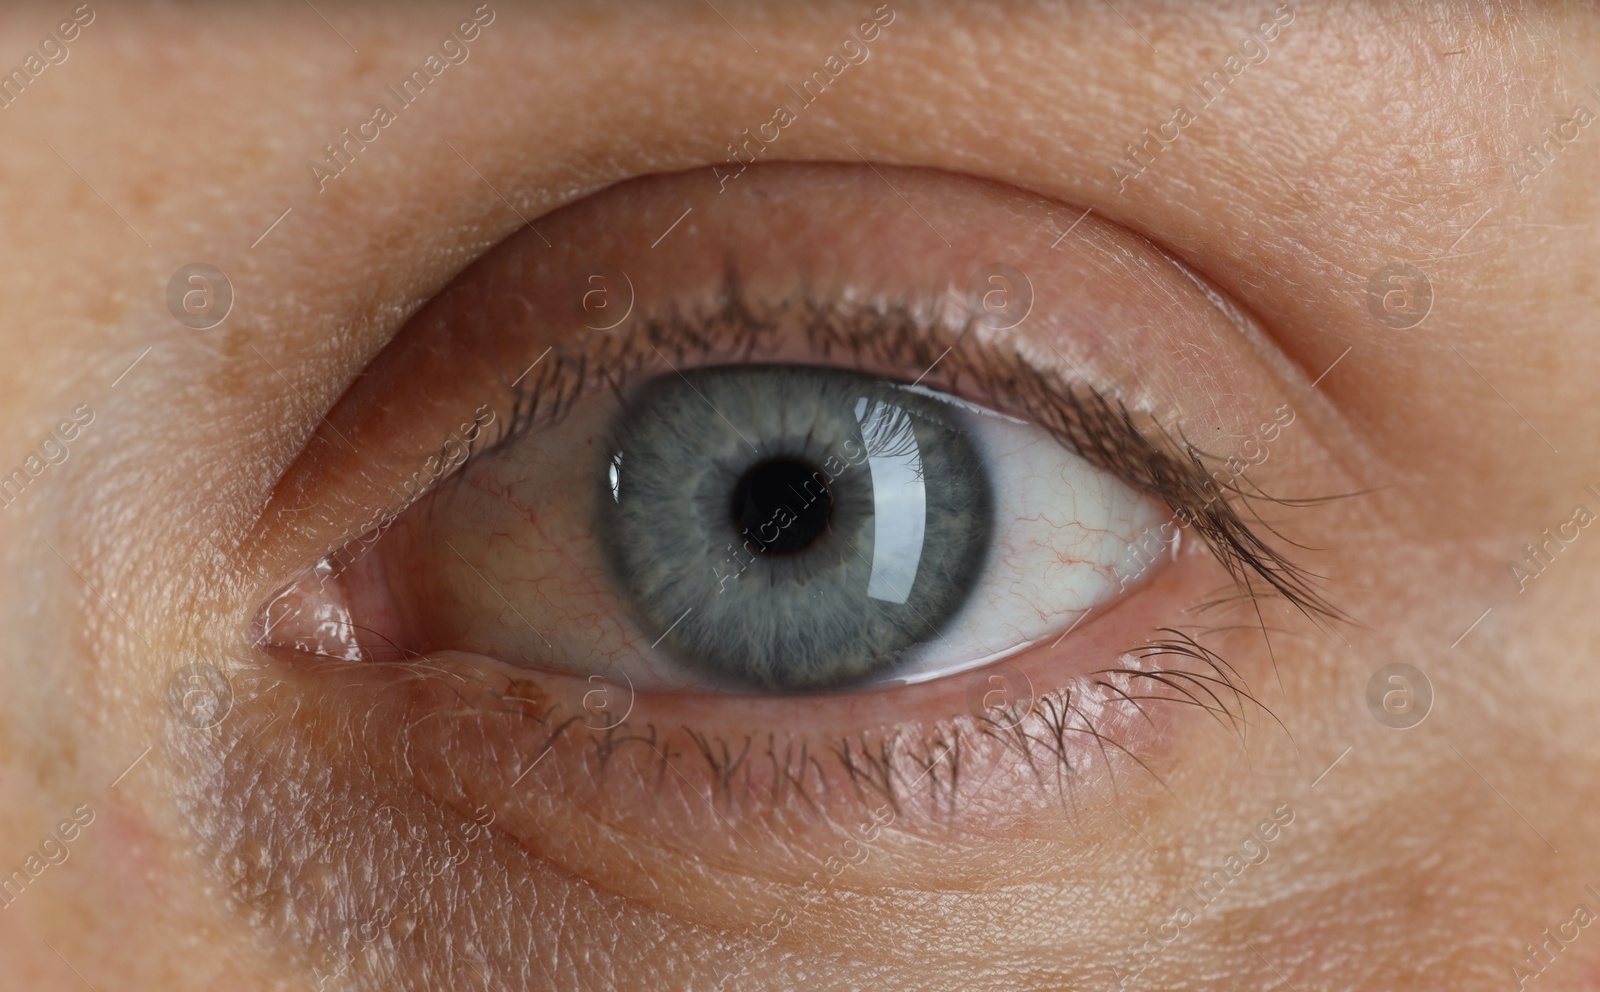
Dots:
pixel 792 527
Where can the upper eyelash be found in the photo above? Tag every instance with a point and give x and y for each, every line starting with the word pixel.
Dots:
pixel 1137 450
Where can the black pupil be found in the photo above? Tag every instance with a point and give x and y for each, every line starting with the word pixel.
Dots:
pixel 782 505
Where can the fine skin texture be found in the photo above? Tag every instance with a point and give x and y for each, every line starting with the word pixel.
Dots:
pixel 1421 859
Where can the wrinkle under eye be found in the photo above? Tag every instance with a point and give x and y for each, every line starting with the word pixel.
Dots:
pixel 861 518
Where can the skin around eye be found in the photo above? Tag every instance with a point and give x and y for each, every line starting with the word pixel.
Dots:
pixel 405 828
pixel 1110 350
pixel 518 345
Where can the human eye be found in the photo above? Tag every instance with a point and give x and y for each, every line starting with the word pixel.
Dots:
pixel 761 500
pixel 738 526
pixel 377 623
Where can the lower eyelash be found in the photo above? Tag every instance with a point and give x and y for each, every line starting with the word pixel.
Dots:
pixel 888 768
pixel 1045 740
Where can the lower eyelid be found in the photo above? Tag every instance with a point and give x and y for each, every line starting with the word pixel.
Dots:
pixel 686 777
pixel 687 767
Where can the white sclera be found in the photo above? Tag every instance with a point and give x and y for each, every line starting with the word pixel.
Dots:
pixel 1061 534
pixel 899 500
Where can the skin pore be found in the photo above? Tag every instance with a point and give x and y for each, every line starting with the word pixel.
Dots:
pixel 236 856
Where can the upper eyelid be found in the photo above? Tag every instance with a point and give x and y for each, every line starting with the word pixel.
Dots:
pixel 1135 448
pixel 924 334
pixel 892 338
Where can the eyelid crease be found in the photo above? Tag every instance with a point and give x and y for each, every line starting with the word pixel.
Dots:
pixel 937 338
